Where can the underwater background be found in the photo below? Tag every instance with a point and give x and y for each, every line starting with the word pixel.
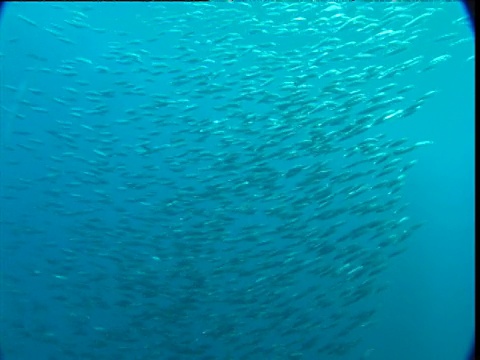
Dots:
pixel 251 180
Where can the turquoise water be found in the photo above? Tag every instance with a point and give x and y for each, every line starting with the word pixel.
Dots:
pixel 185 181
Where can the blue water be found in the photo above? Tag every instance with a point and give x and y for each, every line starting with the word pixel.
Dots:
pixel 426 312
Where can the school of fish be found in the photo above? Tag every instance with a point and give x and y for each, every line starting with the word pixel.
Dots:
pixel 225 183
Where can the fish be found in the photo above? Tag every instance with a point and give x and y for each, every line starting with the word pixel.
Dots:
pixel 249 181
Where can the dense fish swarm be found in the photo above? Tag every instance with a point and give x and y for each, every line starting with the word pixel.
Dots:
pixel 213 180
